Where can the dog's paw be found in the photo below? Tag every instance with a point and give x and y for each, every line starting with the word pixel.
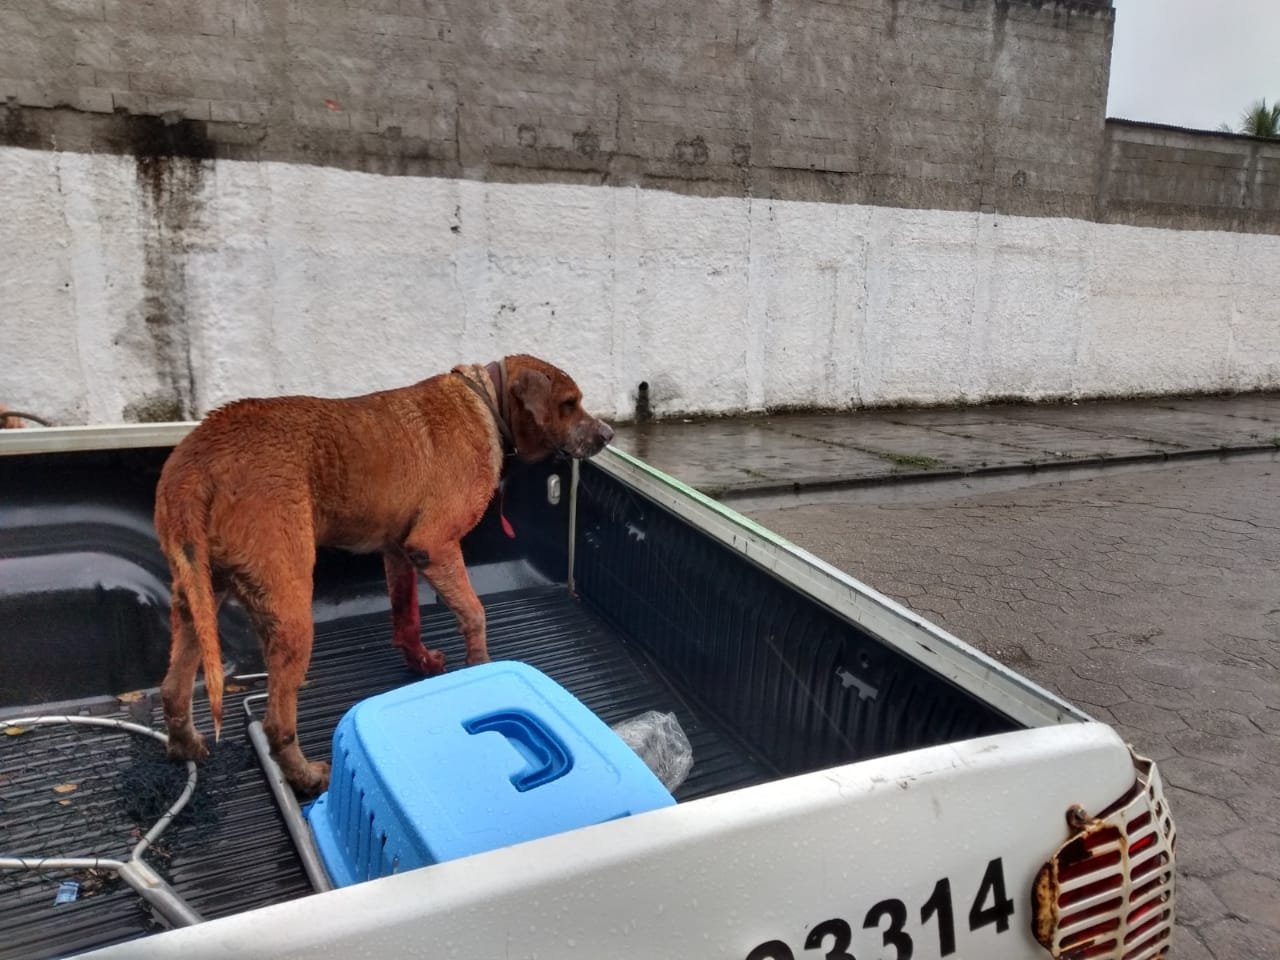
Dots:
pixel 424 662
pixel 314 779
pixel 191 747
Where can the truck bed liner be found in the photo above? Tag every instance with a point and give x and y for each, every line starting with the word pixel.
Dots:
pixel 230 851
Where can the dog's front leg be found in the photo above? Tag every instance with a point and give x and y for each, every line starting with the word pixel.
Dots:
pixel 446 572
pixel 406 626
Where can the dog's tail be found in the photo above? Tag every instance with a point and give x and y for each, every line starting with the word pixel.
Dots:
pixel 187 550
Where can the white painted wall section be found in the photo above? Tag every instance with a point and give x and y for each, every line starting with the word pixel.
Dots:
pixel 276 278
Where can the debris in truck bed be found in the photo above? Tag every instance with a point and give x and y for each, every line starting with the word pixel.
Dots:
pixel 148 784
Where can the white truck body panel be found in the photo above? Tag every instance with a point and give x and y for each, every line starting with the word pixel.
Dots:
pixel 714 879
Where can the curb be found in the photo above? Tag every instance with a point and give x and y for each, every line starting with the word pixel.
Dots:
pixel 728 492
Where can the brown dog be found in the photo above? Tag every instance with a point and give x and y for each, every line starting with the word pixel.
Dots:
pixel 246 498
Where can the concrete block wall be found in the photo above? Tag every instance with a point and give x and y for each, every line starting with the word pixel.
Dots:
pixel 1165 176
pixel 745 203
pixel 960 104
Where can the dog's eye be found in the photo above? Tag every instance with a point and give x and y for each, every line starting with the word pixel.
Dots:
pixel 569 406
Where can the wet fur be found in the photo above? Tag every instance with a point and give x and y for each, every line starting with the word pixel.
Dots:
pixel 246 498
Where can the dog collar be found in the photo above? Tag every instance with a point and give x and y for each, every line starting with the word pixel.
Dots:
pixel 498 377
pixel 497 371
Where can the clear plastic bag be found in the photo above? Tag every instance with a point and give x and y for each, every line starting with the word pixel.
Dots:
pixel 661 743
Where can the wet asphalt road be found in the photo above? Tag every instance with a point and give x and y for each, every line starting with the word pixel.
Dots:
pixel 1149 597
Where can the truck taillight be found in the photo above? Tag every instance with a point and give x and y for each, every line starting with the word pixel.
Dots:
pixel 1108 892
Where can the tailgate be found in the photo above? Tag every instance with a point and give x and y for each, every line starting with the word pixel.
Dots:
pixel 916 856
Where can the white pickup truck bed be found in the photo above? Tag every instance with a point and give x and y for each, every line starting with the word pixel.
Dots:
pixel 864 785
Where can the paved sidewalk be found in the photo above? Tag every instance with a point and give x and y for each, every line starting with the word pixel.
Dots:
pixel 754 455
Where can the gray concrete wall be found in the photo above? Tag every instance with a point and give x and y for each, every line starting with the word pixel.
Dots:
pixel 986 105
pixel 1168 177
pixel 991 105
pixel 190 208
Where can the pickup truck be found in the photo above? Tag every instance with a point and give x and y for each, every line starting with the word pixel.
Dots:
pixel 864 785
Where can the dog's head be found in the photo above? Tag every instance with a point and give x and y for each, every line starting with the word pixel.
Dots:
pixel 546 414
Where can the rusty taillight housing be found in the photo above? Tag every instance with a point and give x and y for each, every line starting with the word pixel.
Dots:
pixel 1108 892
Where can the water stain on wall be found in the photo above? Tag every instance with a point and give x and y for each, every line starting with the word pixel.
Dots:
pixel 16 128
pixel 172 158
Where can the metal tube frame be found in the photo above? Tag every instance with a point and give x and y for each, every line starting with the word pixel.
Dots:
pixel 296 823
pixel 134 871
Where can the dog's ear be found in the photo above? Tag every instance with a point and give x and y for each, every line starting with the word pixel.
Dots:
pixel 533 389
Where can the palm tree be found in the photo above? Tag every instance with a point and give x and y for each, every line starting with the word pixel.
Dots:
pixel 1259 120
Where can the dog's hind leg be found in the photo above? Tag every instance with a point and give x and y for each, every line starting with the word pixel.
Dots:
pixel 406 625
pixel 279 604
pixel 287 649
pixel 446 571
pixel 288 653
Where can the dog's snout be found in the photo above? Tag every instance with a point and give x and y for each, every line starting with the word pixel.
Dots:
pixel 588 438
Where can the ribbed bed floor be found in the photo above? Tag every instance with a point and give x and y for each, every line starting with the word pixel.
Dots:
pixel 230 851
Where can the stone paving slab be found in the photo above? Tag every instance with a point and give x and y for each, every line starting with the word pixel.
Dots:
pixel 1051 441
pixel 1169 427
pixel 741 453
pixel 896 446
pixel 1263 407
